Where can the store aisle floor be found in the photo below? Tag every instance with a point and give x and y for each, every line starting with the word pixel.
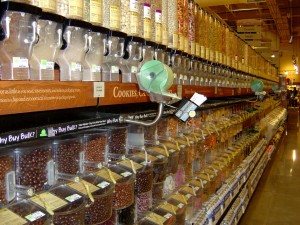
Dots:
pixel 276 200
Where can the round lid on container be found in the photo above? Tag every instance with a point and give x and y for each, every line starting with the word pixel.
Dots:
pixel 77 23
pixel 52 17
pixel 20 7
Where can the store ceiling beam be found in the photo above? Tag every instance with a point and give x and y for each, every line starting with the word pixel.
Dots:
pixel 208 3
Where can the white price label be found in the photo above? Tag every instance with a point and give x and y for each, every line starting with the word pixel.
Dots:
pixel 73 197
pixel 75 67
pixel 147 11
pixel 114 69
pixel 35 216
pixel 134 6
pixel 47 65
pixel 160 156
pixel 20 62
pixel 126 174
pixel 180 205
pixel 134 69
pixel 157 16
pixel 96 68
pixel 103 184
pixel 99 89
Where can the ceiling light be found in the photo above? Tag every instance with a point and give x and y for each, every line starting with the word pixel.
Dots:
pixel 273 56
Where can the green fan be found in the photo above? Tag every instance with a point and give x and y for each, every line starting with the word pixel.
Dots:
pixel 156 78
pixel 257 85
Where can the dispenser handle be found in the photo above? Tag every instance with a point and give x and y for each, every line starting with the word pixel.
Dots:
pixel 5 32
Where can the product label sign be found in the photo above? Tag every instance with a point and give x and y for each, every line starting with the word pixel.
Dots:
pixel 47 65
pixel 17 137
pixel 35 216
pixel 73 197
pixel 20 62
pixel 103 184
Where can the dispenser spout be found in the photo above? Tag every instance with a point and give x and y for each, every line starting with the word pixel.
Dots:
pixel 158 116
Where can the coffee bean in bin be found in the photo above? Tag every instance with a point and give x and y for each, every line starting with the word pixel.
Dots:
pixel 117 139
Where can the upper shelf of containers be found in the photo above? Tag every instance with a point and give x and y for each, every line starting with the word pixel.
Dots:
pixel 109 40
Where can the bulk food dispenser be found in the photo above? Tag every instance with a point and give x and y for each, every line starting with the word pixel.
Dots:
pixel 18 35
pixel 95 56
pixel 72 53
pixel 176 66
pixel 49 31
pixel 131 61
pixel 186 66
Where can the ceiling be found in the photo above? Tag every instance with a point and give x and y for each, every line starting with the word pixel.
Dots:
pixel 279 21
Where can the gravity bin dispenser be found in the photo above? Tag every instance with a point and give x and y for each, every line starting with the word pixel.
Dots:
pixel 73 50
pixel 49 32
pixel 17 35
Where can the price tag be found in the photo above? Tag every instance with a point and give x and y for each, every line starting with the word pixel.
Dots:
pixel 115 69
pixel 73 197
pixel 126 174
pixel 20 62
pixel 35 216
pixel 47 65
pixel 103 184
pixel 96 68
pixel 75 67
pixel 99 89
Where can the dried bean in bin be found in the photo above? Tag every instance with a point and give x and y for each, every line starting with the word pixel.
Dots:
pixel 117 139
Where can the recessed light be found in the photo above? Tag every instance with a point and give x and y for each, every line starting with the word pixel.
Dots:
pixel 273 56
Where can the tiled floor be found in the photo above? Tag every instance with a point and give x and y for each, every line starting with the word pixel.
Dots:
pixel 276 200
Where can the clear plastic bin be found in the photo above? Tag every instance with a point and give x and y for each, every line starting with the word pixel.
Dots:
pixel 68 152
pixel 34 165
pixel 72 53
pixel 6 173
pixel 103 200
pixel 29 214
pixel 117 140
pixel 49 30
pixel 181 207
pixel 95 55
pixel 170 215
pixel 19 24
pixel 112 14
pixel 135 136
pixel 116 50
pixel 95 149
pixel 150 132
pixel 130 15
pixel 124 187
pixel 148 51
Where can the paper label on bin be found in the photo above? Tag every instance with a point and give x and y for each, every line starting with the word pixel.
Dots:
pixel 147 11
pixel 73 197
pixel 9 217
pixel 180 205
pixel 134 69
pixel 115 69
pixel 126 174
pixel 168 215
pixel 160 156
pixel 75 67
pixel 103 184
pixel 20 62
pixel 47 65
pixel 35 216
pixel 81 188
pixel 105 174
pixel 96 68
pixel 52 201
pixel 172 150
pixel 134 6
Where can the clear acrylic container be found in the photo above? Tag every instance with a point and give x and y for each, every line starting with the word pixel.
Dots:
pixel 144 173
pixel 131 61
pixel 68 154
pixel 70 9
pixel 160 53
pixel 176 65
pixel 95 55
pixel 172 24
pixel 95 149
pixel 28 213
pixel 156 22
pixel 146 19
pixel 19 23
pixel 167 211
pixel 112 14
pixel 116 50
pixel 130 15
pixel 148 51
pixel 136 136
pixel 72 53
pixel 44 54
pixel 7 177
pixel 103 200
pixel 93 12
pixel 73 209
pixel 150 133
pixel 186 66
pixel 34 165
pixel 180 202
pixel 124 187
pixel 118 139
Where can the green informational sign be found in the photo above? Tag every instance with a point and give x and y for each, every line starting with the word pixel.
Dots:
pixel 275 87
pixel 257 86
